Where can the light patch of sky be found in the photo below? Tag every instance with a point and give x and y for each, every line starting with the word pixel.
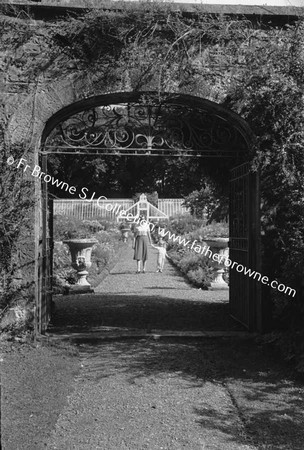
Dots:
pixel 248 2
pixel 256 2
pixel 241 2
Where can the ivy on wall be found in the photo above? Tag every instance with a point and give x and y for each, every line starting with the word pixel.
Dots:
pixel 256 71
pixel 159 49
pixel 269 95
pixel 16 211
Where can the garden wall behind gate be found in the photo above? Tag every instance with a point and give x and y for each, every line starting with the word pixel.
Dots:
pixel 35 85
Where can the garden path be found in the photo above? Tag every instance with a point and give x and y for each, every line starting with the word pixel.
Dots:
pixel 207 394
pixel 168 393
pixel 150 302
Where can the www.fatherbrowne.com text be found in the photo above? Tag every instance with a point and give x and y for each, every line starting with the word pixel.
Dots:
pixel 37 172
pixel 205 251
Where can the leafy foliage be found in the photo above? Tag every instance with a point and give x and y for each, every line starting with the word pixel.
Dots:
pixel 209 202
pixel 69 227
pixel 16 203
pixel 182 225
pixel 215 229
pixel 197 268
pixel 269 94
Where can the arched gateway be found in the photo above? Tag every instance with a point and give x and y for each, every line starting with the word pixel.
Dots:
pixel 146 124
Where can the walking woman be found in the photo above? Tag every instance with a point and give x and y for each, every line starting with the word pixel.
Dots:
pixel 140 243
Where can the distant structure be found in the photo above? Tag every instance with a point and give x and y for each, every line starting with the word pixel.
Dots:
pixel 82 209
pixel 145 208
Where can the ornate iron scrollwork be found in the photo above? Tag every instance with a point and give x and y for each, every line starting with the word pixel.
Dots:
pixel 135 128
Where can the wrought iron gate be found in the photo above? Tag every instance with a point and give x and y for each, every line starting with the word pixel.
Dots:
pixel 244 243
pixel 45 263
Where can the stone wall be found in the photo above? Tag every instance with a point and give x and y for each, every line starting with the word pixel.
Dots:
pixel 35 85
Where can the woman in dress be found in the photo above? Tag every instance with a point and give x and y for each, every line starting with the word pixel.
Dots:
pixel 140 243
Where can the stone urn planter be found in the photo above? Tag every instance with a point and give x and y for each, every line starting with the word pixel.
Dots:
pixel 81 250
pixel 218 245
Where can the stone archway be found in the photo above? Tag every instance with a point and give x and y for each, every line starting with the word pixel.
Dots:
pixel 142 123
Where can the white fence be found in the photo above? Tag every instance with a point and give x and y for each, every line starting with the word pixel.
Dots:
pixel 85 209
pixel 172 206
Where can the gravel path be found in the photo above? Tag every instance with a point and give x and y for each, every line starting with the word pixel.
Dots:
pixel 221 394
pixel 123 279
pixel 118 406
pixel 150 301
pixel 154 394
pixel 111 410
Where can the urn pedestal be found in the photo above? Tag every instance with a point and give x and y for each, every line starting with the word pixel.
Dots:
pixel 81 250
pixel 219 246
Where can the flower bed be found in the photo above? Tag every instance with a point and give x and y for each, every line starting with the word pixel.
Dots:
pixel 197 268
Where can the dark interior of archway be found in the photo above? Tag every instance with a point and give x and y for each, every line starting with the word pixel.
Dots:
pixel 123 176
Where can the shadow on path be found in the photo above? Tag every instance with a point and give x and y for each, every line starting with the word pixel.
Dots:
pixel 150 301
pixel 230 377
pixel 211 394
